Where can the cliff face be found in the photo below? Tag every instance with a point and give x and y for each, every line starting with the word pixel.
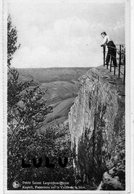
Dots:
pixel 97 128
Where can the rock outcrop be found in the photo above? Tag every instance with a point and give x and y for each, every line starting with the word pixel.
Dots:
pixel 97 128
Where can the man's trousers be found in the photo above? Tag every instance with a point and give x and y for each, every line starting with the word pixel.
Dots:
pixel 111 54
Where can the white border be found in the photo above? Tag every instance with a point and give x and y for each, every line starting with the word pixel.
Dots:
pixel 132 96
pixel 128 137
pixel 1 102
pixel 127 96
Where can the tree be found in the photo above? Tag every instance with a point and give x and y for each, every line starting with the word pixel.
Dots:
pixel 27 111
pixel 12 40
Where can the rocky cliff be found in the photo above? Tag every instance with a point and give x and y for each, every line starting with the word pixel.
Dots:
pixel 97 128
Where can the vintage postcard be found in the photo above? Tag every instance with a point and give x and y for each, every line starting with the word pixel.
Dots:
pixel 66 106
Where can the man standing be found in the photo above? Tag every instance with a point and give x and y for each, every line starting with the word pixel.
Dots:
pixel 111 54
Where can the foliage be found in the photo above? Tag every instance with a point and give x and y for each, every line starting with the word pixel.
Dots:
pixel 12 40
pixel 27 110
pixel 54 143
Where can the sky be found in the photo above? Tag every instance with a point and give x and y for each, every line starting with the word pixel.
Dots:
pixel 64 33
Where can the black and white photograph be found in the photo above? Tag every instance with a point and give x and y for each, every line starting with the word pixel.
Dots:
pixel 66 100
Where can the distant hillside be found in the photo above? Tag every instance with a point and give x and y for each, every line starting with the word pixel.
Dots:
pixel 59 90
pixel 62 87
pixel 52 74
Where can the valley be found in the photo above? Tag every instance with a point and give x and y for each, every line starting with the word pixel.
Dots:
pixel 61 86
